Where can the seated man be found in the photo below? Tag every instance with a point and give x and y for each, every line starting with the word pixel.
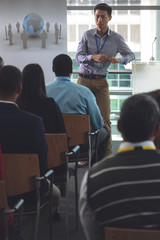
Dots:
pixel 76 99
pixel 20 131
pixel 123 190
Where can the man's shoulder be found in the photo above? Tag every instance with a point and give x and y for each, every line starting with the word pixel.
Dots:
pixel 84 90
pixel 90 32
pixel 115 35
pixel 50 84
pixel 29 117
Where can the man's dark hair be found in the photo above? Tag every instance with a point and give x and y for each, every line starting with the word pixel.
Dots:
pixel 104 7
pixel 139 118
pixel 62 65
pixel 10 80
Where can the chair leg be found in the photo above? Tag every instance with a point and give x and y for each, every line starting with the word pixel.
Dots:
pixel 50 209
pixel 6 235
pixel 38 211
pixel 67 203
pixel 76 198
pixel 36 225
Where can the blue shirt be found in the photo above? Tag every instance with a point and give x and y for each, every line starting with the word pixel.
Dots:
pixel 113 45
pixel 75 99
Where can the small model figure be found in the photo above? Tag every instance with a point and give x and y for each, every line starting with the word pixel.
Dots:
pixel 18 27
pixel 6 34
pixel 24 37
pixel 56 33
pixel 48 26
pixel 10 35
pixel 9 27
pixel 43 37
pixel 60 31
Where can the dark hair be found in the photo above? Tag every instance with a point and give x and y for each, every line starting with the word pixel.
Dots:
pixel 104 7
pixel 156 95
pixel 10 80
pixel 62 65
pixel 139 117
pixel 33 84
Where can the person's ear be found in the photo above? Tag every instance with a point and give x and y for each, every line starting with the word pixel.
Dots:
pixel 119 126
pixel 19 89
pixel 156 132
pixel 110 18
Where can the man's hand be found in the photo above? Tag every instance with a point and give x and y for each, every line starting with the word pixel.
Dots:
pixel 100 58
pixel 114 60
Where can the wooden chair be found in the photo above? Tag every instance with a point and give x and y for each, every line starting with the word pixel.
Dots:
pixel 4 212
pixel 79 132
pixel 21 173
pixel 58 156
pixel 131 234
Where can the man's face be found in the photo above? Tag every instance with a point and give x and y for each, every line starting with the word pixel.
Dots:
pixel 101 19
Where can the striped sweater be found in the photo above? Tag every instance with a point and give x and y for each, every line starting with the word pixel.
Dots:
pixel 124 190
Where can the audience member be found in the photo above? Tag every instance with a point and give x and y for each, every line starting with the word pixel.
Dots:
pixel 33 99
pixel 20 131
pixel 76 99
pixel 1 63
pixel 156 95
pixel 123 190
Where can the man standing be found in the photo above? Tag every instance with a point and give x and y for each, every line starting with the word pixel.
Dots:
pixel 123 190
pixel 96 51
pixel 75 99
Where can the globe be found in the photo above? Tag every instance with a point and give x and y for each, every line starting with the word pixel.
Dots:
pixel 33 24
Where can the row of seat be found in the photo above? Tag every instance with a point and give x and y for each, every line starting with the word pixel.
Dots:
pixel 19 167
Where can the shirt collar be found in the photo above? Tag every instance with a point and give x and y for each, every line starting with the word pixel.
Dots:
pixel 1 101
pixel 108 33
pixel 62 78
pixel 130 145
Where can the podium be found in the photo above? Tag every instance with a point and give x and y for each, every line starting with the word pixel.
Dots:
pixel 145 76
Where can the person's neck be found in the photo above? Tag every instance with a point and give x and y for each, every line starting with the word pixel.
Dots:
pixel 102 32
pixel 9 99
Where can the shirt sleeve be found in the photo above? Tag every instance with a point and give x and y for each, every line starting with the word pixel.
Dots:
pixel 81 56
pixel 125 51
pixel 89 223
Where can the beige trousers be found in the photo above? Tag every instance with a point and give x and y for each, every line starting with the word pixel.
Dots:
pixel 100 89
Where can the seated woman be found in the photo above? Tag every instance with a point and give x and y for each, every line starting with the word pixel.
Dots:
pixel 33 99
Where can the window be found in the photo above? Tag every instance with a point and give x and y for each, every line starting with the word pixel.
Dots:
pixel 71 33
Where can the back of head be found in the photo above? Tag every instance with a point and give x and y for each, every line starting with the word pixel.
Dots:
pixel 139 118
pixel 10 81
pixel 62 65
pixel 103 7
pixel 33 82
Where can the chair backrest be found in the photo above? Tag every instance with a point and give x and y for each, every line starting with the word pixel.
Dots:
pixel 131 234
pixel 19 170
pixel 77 127
pixel 57 146
pixel 3 196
